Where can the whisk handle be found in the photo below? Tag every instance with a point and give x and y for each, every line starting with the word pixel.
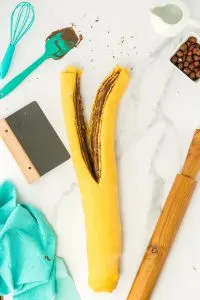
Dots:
pixel 6 62
pixel 10 86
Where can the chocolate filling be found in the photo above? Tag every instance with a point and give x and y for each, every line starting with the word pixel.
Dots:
pixel 68 35
pixel 92 156
pixel 97 113
pixel 81 126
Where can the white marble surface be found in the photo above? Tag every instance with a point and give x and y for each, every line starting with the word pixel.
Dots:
pixel 157 118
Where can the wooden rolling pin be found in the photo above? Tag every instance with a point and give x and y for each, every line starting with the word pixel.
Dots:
pixel 168 225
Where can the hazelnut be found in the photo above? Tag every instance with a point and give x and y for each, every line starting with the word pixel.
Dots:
pixel 190 53
pixel 174 59
pixel 189 59
pixel 180 59
pixel 196 57
pixel 186 64
pixel 196 63
pixel 184 47
pixel 192 39
pixel 198 74
pixel 192 67
pixel 196 51
pixel 179 53
pixel 184 58
pixel 192 75
pixel 186 71
pixel 192 47
pixel 188 43
pixel 180 66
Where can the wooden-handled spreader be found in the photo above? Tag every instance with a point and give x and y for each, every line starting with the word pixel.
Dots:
pixel 168 224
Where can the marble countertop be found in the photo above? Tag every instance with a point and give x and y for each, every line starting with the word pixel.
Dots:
pixel 157 118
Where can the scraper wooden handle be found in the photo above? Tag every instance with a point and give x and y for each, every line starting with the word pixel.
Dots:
pixel 168 225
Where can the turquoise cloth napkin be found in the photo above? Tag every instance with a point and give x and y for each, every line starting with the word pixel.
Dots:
pixel 29 268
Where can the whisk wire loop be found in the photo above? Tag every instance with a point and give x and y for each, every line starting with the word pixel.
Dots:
pixel 22 19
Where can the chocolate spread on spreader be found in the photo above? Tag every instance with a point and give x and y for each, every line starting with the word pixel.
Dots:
pixel 91 150
pixel 69 35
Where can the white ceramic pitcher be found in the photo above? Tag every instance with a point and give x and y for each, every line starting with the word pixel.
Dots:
pixel 170 18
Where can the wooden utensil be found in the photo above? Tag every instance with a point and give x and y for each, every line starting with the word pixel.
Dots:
pixel 33 141
pixel 168 225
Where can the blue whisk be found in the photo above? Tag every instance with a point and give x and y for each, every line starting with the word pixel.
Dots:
pixel 22 19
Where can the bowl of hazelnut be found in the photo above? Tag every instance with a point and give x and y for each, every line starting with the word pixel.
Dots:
pixel 187 58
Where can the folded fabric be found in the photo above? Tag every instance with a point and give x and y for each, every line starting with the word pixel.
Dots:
pixel 29 268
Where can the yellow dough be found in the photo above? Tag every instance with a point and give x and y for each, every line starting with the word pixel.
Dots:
pixel 93 155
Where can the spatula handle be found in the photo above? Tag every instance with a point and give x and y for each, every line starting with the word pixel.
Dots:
pixel 9 87
pixel 6 62
pixel 163 237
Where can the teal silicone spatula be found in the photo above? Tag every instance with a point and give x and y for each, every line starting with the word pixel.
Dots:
pixel 58 44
